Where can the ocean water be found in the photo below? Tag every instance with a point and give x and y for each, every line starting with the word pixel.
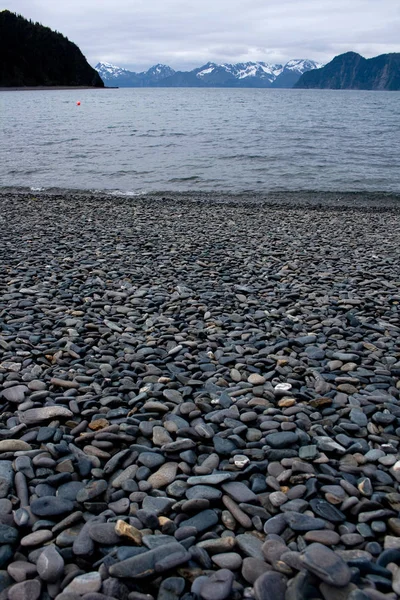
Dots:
pixel 134 141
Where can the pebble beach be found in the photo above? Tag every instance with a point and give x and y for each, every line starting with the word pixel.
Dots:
pixel 199 397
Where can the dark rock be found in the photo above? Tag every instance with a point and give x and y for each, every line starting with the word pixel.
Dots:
pixel 326 565
pixel 270 586
pixel 218 586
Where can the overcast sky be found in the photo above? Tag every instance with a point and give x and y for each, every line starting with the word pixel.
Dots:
pixel 184 34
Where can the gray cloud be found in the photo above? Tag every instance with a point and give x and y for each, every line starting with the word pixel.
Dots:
pixel 186 33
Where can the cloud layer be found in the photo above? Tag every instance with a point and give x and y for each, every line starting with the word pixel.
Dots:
pixel 137 34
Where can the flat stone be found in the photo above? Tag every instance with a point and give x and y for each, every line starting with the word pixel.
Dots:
pixel 228 560
pixel 324 536
pixel 270 586
pixel 249 544
pixel 326 444
pixel 239 492
pixel 21 570
pixel 202 521
pixel 346 357
pixel 104 533
pixel 315 353
pixel 151 459
pixel 92 490
pixel 256 379
pixel 327 511
pixel 6 477
pixel 50 564
pixel 26 590
pixel 36 538
pixel 208 479
pixel 69 491
pixel 49 506
pixel 203 491
pixel 164 476
pixel 37 415
pixel 129 531
pixel 144 565
pixel 14 446
pixel 326 564
pixel 253 567
pixel 159 506
pixel 8 535
pixel 218 586
pixel 301 522
pixel 283 439
pixel 170 589
pixel 84 584
pixel 15 394
pixel 308 452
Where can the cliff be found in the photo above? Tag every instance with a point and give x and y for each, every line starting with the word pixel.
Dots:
pixel 33 55
pixel 350 71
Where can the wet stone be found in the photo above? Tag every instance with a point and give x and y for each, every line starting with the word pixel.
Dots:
pixel 21 570
pixel 94 489
pixel 228 560
pixel 6 477
pixel 84 584
pixel 165 475
pixel 270 586
pixel 327 511
pixel 253 567
pixel 26 590
pixel 239 492
pixel 301 522
pixel 49 506
pixel 218 586
pixel 326 565
pixel 8 535
pixel 281 440
pixel 15 394
pixel 144 565
pixel 50 564
pixel 205 492
pixel 202 521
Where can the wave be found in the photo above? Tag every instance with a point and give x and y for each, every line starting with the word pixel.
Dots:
pixel 190 178
pixel 313 198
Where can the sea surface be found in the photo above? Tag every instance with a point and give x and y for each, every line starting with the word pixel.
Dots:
pixel 133 141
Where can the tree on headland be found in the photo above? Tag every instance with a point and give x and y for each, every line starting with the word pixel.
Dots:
pixel 34 55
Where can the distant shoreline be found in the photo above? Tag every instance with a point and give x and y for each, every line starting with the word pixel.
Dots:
pixel 55 87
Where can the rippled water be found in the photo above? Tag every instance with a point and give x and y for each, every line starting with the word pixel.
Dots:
pixel 141 140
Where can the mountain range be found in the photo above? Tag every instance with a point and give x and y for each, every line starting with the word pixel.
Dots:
pixel 249 74
pixel 34 55
pixel 351 71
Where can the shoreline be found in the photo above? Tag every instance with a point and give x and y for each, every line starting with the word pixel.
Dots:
pixel 54 87
pixel 359 200
pixel 200 392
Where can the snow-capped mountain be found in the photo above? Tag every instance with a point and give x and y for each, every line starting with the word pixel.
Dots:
pixel 250 74
pixel 293 70
pixel 302 65
pixel 239 71
pixel 117 76
pixel 107 70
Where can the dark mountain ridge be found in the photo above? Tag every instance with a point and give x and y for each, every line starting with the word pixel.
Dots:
pixel 33 55
pixel 351 71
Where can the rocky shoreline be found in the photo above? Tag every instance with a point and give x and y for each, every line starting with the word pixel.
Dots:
pixel 199 401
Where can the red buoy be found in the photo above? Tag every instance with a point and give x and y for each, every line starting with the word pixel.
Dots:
pixel 78 103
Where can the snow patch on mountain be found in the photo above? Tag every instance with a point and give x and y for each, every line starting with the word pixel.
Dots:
pixel 109 70
pixel 249 74
pixel 302 65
